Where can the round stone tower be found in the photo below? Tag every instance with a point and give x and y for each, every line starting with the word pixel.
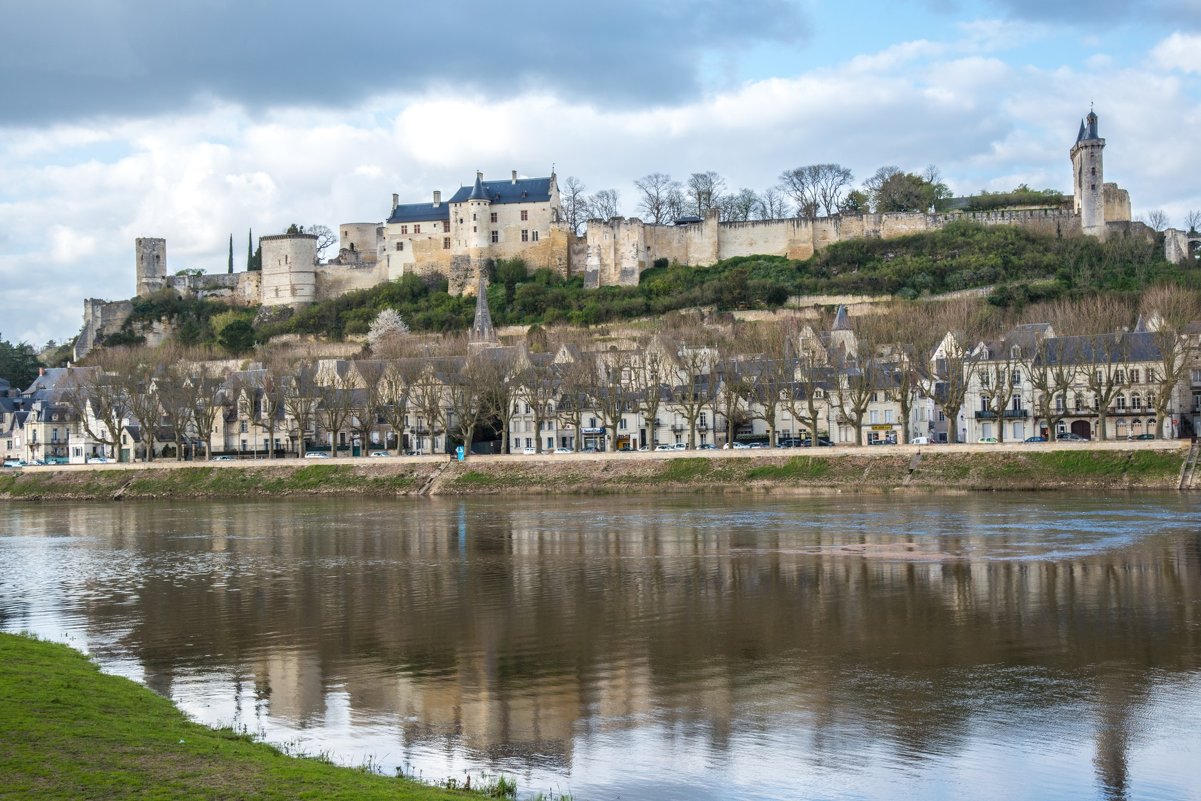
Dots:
pixel 289 269
pixel 479 206
pixel 1089 177
pixel 150 260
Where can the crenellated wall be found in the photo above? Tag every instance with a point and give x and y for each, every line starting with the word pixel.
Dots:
pixel 617 251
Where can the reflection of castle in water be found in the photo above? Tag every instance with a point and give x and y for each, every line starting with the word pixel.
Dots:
pixel 501 625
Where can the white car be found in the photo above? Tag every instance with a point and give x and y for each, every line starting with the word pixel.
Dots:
pixel 665 447
pixel 376 454
pixel 316 455
pixel 564 450
pixel 223 458
pixel 740 446
pixel 680 446
pixel 529 451
pixel 14 463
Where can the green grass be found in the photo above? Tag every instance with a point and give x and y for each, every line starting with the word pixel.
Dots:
pixel 1084 464
pixel 684 470
pixel 71 732
pixel 798 468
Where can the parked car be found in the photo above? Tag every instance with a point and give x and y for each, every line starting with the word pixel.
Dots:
pixel 316 455
pixel 740 446
pixel 1068 436
pixel 14 463
pixel 529 451
pixel 987 441
pixel 564 450
pixel 1144 436
pixel 664 446
pixel 376 454
pixel 921 441
pixel 680 446
pixel 225 457
pixel 1035 439
pixel 707 446
pixel 822 442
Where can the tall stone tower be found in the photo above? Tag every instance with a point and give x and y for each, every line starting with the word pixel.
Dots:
pixel 289 269
pixel 1089 177
pixel 150 259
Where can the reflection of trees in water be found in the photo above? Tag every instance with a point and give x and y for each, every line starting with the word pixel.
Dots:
pixel 521 622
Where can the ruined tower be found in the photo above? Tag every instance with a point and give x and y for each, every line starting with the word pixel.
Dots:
pixel 150 259
pixel 1089 178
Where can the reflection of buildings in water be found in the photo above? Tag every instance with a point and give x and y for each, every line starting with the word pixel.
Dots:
pixel 543 622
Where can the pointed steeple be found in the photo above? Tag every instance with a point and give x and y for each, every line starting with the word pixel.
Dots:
pixel 477 191
pixel 841 321
pixel 1083 132
pixel 483 335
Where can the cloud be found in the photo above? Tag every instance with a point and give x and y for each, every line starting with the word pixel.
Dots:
pixel 65 60
pixel 1106 13
pixel 73 196
pixel 1180 52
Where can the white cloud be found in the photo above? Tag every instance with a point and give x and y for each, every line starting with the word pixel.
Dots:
pixel 74 197
pixel 1179 51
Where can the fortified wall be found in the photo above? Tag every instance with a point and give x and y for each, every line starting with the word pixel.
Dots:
pixel 618 250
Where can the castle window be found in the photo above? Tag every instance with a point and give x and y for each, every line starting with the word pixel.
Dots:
pixel 417 229
pixel 525 215
pixel 400 245
pixel 495 237
pixel 1092 187
pixel 404 230
pixel 446 226
pixel 534 235
pixel 446 243
pixel 525 235
pixel 493 216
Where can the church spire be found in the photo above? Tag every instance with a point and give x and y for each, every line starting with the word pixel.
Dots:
pixel 483 335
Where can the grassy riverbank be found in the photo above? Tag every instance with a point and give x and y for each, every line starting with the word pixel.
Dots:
pixel 1114 466
pixel 71 732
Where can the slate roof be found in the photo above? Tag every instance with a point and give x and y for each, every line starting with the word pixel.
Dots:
pixel 523 190
pixel 420 212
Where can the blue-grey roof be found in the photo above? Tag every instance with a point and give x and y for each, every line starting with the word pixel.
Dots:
pixel 420 212
pixel 523 190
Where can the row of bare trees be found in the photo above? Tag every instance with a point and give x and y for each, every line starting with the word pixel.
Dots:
pixel 736 372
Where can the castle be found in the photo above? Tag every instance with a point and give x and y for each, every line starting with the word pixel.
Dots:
pixel 523 217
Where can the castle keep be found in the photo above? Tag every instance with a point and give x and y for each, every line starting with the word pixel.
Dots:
pixel 523 218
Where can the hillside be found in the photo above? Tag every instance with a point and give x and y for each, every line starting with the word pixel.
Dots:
pixel 1021 266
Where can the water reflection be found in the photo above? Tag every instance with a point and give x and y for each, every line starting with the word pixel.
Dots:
pixel 838 647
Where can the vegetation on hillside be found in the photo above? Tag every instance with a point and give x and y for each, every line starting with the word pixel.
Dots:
pixel 1021 265
pixel 18 363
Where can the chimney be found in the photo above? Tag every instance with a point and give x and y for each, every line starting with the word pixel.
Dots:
pixel 437 198
pixel 395 201
pixel 41 371
pixel 514 176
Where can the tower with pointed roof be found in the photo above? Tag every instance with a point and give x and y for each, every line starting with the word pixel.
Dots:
pixel 842 338
pixel 482 335
pixel 1088 177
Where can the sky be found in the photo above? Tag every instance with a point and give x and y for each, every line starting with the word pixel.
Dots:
pixel 194 122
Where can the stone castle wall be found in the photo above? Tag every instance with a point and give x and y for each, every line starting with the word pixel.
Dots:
pixel 617 251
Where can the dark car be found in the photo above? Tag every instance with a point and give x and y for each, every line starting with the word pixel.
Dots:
pixel 1144 436
pixel 1035 439
pixel 1068 436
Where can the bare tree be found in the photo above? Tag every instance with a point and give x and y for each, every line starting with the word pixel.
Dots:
pixel 1051 376
pixel 800 184
pixel 650 374
pixel 302 397
pixel 176 398
pixel 392 395
pixel 739 207
pixel 207 382
pixel 1170 308
pixel 704 189
pixel 659 198
pixel 325 237
pixel 611 393
pixel 574 199
pixel 694 387
pixel 137 375
pixel 874 185
pixel 1157 219
pixel 603 205
pixel 97 399
pixel 997 384
pixel 428 401
pixel 1192 221
pixel 465 393
pixel 833 181
pixel 773 205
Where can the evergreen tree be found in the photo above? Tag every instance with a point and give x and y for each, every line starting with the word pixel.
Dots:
pixel 18 364
pixel 249 249
pixel 231 254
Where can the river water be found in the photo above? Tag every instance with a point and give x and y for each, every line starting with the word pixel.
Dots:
pixel 1006 646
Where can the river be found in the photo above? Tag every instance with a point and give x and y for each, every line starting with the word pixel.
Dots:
pixel 1007 646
